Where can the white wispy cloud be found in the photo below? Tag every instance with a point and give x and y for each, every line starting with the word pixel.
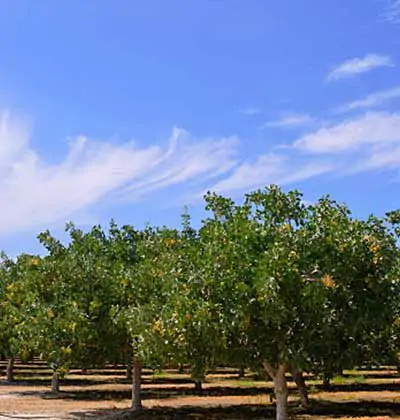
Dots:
pixel 187 160
pixel 365 143
pixel 373 100
pixel 250 111
pixel 371 128
pixel 392 12
pixel 35 193
pixel 290 120
pixel 356 66
pixel 387 157
pixel 269 169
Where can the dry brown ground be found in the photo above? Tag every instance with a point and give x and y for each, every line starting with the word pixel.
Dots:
pixel 362 395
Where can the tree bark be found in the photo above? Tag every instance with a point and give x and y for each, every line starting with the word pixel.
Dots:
pixel 280 389
pixel 326 382
pixel 301 385
pixel 198 386
pixel 129 370
pixel 129 358
pixel 136 385
pixel 55 383
pixel 241 372
pixel 10 369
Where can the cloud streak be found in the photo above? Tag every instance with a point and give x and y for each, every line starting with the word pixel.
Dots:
pixel 250 111
pixel 371 128
pixel 35 193
pixel 373 100
pixel 269 169
pixel 186 160
pixel 367 143
pixel 392 12
pixel 290 120
pixel 356 66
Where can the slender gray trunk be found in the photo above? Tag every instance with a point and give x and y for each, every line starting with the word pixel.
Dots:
pixel 301 385
pixel 10 369
pixel 280 389
pixel 55 383
pixel 136 385
pixel 281 393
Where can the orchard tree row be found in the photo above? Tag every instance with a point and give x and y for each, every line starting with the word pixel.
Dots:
pixel 270 283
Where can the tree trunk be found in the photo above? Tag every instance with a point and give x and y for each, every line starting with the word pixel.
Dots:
pixel 301 385
pixel 241 372
pixel 326 382
pixel 198 386
pixel 129 370
pixel 281 393
pixel 129 359
pixel 55 383
pixel 10 369
pixel 280 389
pixel 136 385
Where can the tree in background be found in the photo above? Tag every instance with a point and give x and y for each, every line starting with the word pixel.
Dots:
pixel 16 298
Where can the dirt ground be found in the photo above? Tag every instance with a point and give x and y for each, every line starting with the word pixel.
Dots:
pixel 100 394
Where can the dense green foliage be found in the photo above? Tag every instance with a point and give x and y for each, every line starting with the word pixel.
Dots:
pixel 270 283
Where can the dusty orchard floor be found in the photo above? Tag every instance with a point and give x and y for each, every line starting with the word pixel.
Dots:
pixel 106 394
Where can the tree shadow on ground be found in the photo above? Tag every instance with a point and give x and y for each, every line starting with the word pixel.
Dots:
pixel 240 412
pixel 150 393
pixel 161 381
pixel 244 412
pixel 160 393
pixel 29 380
pixel 355 408
pixel 359 387
pixel 371 375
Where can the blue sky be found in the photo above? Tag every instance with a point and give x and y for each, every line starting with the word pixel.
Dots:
pixel 132 109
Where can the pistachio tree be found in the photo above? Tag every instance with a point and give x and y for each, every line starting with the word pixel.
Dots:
pixel 16 298
pixel 51 312
pixel 191 318
pixel 358 268
pixel 280 269
pixel 142 294
pixel 88 275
